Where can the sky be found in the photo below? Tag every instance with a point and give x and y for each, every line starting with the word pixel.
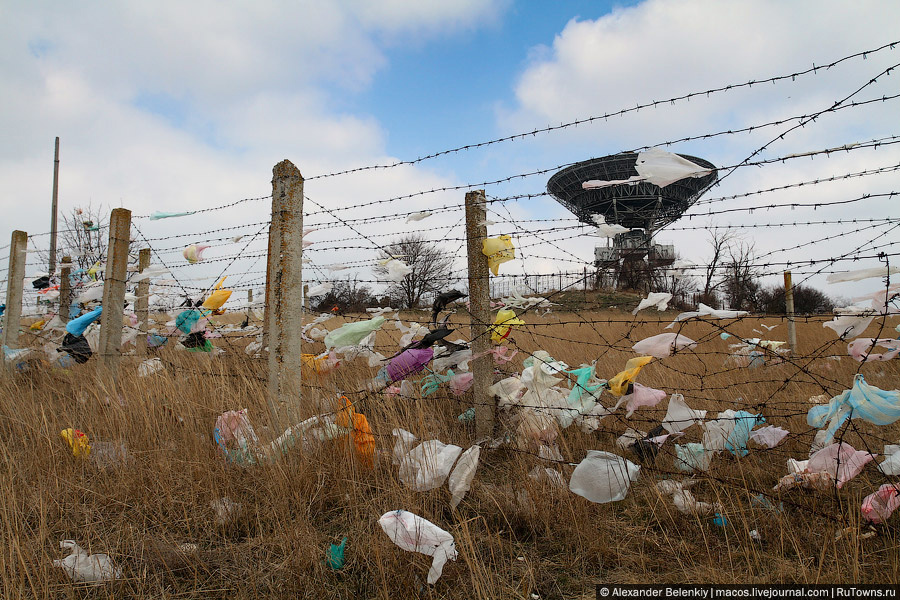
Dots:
pixel 181 107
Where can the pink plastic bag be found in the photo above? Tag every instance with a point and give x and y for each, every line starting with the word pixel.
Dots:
pixel 877 507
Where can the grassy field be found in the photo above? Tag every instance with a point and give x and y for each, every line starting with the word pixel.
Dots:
pixel 516 537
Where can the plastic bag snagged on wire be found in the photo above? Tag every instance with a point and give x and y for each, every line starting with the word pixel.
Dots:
pixel 769 436
pixel 194 253
pixel 663 344
pixel 841 461
pixel 640 395
pixel 878 507
pixel 603 477
pixel 498 251
pixel 427 466
pixel 81 566
pixel 415 534
pixel 849 326
pixel 503 325
pixel 658 299
pixel 352 334
pixel 461 478
pixel 218 297
pixel 680 416
pixel 863 401
pixel 77 326
pixel 618 385
pixel 409 362
pixel 740 433
pixel 861 349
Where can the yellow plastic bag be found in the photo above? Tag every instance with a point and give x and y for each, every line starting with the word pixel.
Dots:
pixel 217 298
pixel 360 432
pixel 498 250
pixel 78 442
pixel 618 385
pixel 506 318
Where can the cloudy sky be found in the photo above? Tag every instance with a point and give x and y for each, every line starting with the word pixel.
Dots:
pixel 172 106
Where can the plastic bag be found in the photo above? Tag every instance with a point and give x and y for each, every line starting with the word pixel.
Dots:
pixel 409 362
pixel 861 349
pixel 680 416
pixel 360 432
pixel 77 326
pixel 658 299
pixel 415 534
pixel 81 566
pixel 863 401
pixel 351 334
pixel 640 395
pixel 663 344
pixel 78 442
pixel 841 461
pixel 769 436
pixel 461 478
pixel 603 477
pixel 498 251
pixel 740 433
pixel 503 324
pixel 878 507
pixel 891 465
pixel 618 385
pixel 194 253
pixel 218 297
pixel 427 466
pixel 149 367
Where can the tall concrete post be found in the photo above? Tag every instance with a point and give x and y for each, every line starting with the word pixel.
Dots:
pixel 12 316
pixel 65 289
pixel 789 310
pixel 53 209
pixel 249 304
pixel 142 306
pixel 114 276
pixel 480 314
pixel 284 293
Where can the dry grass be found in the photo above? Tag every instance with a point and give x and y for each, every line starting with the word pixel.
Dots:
pixel 558 545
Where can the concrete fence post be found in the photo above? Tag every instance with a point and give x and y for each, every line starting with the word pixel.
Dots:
pixel 284 294
pixel 789 311
pixel 480 315
pixel 65 289
pixel 114 276
pixel 142 306
pixel 15 280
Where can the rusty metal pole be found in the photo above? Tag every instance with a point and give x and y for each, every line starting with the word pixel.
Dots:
pixel 789 310
pixel 114 276
pixel 142 306
pixel 65 289
pixel 15 280
pixel 480 314
pixel 284 297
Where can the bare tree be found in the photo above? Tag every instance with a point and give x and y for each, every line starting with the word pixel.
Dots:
pixel 740 276
pixel 720 240
pixel 430 266
pixel 83 236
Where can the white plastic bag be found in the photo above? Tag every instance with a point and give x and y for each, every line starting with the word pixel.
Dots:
pixel 463 474
pixel 680 416
pixel 427 465
pixel 415 534
pixel 81 566
pixel 603 477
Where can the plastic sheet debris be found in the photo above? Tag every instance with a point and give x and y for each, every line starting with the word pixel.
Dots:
pixel 335 558
pixel 849 326
pixel 418 216
pixel 81 566
pixel 820 481
pixel 679 416
pixel 77 347
pixel 891 464
pixel 603 477
pixel 235 436
pixel 663 344
pixel 508 391
pixel 226 510
pixel 878 507
pixel 498 251
pixel 352 334
pixel 157 215
pixel 442 300
pixel 360 432
pixel 863 401
pixel 149 367
pixel 658 299
pixel 321 289
pixel 861 349
pixel 78 442
pixel 194 253
pixel 640 395
pixel 428 465
pixel 460 480
pixel 415 534
pixel 619 384
pixel 860 274
pixel 503 325
pixel 841 461
pixel 736 443
pixel 396 269
pixel 663 168
pixel 769 436
pixel 707 311
pixel 684 500
pixel 692 457
pixel 548 475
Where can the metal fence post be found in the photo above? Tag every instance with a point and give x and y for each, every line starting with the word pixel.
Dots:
pixel 479 311
pixel 15 279
pixel 114 276
pixel 284 292
pixel 142 306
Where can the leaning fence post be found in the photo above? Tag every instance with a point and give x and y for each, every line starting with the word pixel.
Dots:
pixel 789 310
pixel 479 311
pixel 65 289
pixel 114 276
pixel 142 306
pixel 15 279
pixel 284 291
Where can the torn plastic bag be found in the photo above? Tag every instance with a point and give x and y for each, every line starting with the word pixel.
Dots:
pixel 658 299
pixel 77 347
pixel 149 367
pixel 891 465
pixel 640 395
pixel 692 457
pixel 498 251
pixel 461 478
pixel 841 461
pixel 235 437
pixel 849 326
pixel 740 433
pixel 415 534
pixel 351 334
pixel 197 341
pixel 503 325
pixel 619 384
pixel 427 466
pixel 78 442
pixel 861 349
pixel 403 443
pixel 680 416
pixel 716 432
pixel 878 507
pixel 360 432
pixel 863 401
pixel 684 500
pixel 663 344
pixel 769 436
pixel 603 477
pixel 77 326
pixel 81 566
pixel 548 475
pixel 508 391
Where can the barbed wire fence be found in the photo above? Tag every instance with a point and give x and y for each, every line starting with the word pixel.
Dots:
pixel 354 237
